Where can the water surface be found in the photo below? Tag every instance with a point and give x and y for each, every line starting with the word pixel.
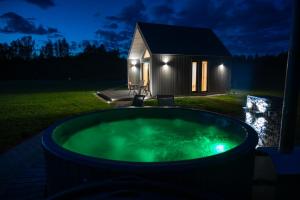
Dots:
pixel 151 140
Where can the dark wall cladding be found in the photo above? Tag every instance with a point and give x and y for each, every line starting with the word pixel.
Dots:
pixel 219 77
pixel 172 74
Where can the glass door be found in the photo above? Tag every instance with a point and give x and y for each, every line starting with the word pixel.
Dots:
pixel 204 76
pixel 194 76
pixel 146 73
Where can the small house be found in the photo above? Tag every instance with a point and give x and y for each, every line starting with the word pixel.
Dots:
pixel 178 60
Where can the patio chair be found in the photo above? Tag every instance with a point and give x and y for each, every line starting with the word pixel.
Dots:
pixel 165 100
pixel 146 89
pixel 138 100
pixel 132 88
pixel 141 86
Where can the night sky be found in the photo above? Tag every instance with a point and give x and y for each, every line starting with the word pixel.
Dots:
pixel 245 26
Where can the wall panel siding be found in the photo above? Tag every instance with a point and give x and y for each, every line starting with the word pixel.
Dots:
pixel 219 78
pixel 176 77
pixel 173 77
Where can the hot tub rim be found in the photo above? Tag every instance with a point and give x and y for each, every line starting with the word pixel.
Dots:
pixel 55 149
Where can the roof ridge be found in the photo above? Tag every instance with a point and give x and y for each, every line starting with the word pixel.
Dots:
pixel 172 25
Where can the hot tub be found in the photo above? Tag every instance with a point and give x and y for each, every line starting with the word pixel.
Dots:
pixel 201 151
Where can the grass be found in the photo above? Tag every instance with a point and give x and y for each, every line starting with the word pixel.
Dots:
pixel 229 104
pixel 26 108
pixel 226 104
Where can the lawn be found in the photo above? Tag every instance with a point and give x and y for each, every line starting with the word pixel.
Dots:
pixel 28 107
pixel 229 104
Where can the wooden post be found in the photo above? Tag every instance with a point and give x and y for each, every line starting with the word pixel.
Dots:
pixel 289 109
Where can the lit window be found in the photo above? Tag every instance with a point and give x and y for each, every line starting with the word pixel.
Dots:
pixel 146 54
pixel 204 76
pixel 194 76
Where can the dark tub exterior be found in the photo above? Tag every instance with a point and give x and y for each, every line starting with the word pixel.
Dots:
pixel 228 174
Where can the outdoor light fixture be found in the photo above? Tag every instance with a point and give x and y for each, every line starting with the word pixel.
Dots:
pixel 133 62
pixel 221 67
pixel 166 59
pixel 133 68
pixel 165 67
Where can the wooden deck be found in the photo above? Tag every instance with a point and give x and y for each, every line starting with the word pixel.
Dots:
pixel 113 95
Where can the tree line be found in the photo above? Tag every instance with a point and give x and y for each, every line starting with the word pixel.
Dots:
pixel 24 48
pixel 259 72
pixel 20 60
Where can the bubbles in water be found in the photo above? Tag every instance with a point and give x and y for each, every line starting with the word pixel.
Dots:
pixel 151 140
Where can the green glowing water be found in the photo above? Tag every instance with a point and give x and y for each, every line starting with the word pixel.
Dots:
pixel 151 140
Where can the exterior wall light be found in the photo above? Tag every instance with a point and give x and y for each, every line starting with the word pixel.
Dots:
pixel 133 62
pixel 166 59
pixel 221 67
pixel 133 68
pixel 165 67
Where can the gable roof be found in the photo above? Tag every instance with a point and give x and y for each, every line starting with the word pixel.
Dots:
pixel 167 39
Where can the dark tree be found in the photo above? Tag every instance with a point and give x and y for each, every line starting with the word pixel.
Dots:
pixel 47 51
pixel 22 48
pixel 88 48
pixel 4 51
pixel 61 48
pixel 27 45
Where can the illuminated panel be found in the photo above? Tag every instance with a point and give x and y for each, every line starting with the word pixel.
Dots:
pixel 194 76
pixel 258 104
pixel 204 77
pixel 146 73
pixel 147 54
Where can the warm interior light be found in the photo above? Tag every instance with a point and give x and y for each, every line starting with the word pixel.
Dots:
pixel 147 54
pixel 146 73
pixel 204 76
pixel 194 76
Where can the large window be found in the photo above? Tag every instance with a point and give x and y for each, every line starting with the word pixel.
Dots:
pixel 146 54
pixel 146 73
pixel 194 76
pixel 204 76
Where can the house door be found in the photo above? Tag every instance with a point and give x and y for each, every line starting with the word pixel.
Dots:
pixel 146 73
